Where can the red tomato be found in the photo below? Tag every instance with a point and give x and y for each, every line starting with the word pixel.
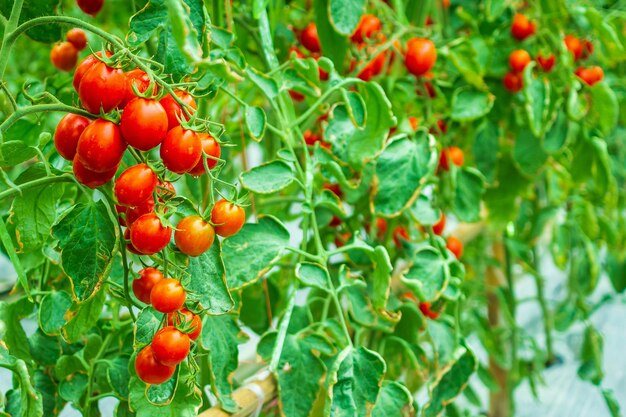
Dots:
pixel 129 244
pixel 173 109
pixel 425 308
pixel 91 7
pixel 521 28
pixel 309 38
pixel 142 286
pixel 67 133
pixel 374 67
pixel 413 122
pixel 368 26
pixel 194 236
pixel 590 75
pixel 133 213
pixel 399 234
pixel 135 186
pixel 296 96
pixel 227 217
pixel 181 150
pixel 334 188
pixel 167 295
pixel 170 346
pixel 64 56
pixel 210 147
pixel 102 87
pixel 513 82
pixel 518 60
pixel 186 320
pixel 455 246
pixel 90 178
pixel 139 79
pixel 101 147
pixel 148 235
pixel 144 123
pixel 310 138
pixel 149 370
pixel 454 154
pixel 440 225
pixel 85 66
pixel 546 63
pixel 573 44
pixel 421 56
pixel 77 37
pixel 381 228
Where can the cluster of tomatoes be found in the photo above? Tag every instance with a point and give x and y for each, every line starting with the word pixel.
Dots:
pixel 522 28
pixel 64 55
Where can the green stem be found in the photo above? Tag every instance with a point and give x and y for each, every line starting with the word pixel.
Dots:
pixel 282 330
pixel 513 375
pixel 14 19
pixel 41 108
pixel 35 183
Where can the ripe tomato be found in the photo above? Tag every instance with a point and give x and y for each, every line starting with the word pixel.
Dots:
pixel 167 295
pixel 210 147
pixel 181 150
pixel 421 56
pixel 149 370
pixel 334 188
pixel 573 44
pixel 455 246
pixel 148 235
pixel 129 244
pixel 139 79
pixel 381 228
pixel 518 60
pixel 368 26
pixel 91 7
pixel 90 178
pixel 77 37
pixel 590 75
pixel 227 217
pixel 426 310
pixel 309 38
pixel 85 66
pixel 440 225
pixel 170 346
pixel 133 213
pixel 521 28
pixel 413 122
pixel 135 185
pixel 296 96
pixel 67 133
pixel 102 87
pixel 399 234
pixel 310 138
pixel 194 236
pixel 173 110
pixel 142 286
pixel 546 63
pixel 64 56
pixel 101 147
pixel 144 123
pixel 454 154
pixel 375 65
pixel 513 82
pixel 187 320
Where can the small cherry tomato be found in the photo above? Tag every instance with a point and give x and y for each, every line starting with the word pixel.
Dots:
pixel 181 150
pixel 148 235
pixel 454 154
pixel 133 213
pixel 521 28
pixel 367 27
pixel 142 286
pixel 135 186
pixel 513 82
pixel 90 178
pixel 67 133
pixel 187 320
pixel 399 235
pixel 100 146
pixel 440 225
pixel 64 56
pixel 129 245
pixel 573 44
pixel 455 246
pixel 374 67
pixel 227 217
pixel 144 123
pixel 381 228
pixel 173 109
pixel 85 66
pixel 309 38
pixel 546 63
pixel 77 37
pixel 102 87
pixel 194 236
pixel 413 122
pixel 140 80
pixel 210 147
pixel 167 295
pixel 518 60
pixel 421 56
pixel 149 370
pixel 426 310
pixel 590 75
pixel 170 346
pixel 91 7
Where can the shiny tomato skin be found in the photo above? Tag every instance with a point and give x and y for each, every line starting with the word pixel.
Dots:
pixel 181 150
pixel 210 147
pixel 185 318
pixel 228 218
pixel 421 56
pixel 85 66
pixel 144 123
pixel 64 56
pixel 167 295
pixel 440 225
pixel 135 185
pixel 77 37
pixel 67 133
pixel 518 60
pixel 149 370
pixel 522 27
pixel 170 346
pixel 452 154
pixel 455 246
pixel 194 236
pixel 574 45
pixel 513 82
pixel 590 75
pixel 90 178
pixel 102 87
pixel 142 285
pixel 546 63
pixel 91 7
pixel 310 39
pixel 139 79
pixel 173 110
pixel 100 146
pixel 148 235
pixel 367 27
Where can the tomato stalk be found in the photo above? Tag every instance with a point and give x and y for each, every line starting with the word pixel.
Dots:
pixel 11 25
pixel 41 108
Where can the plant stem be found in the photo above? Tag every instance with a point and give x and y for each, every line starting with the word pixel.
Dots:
pixel 7 43
pixel 514 371
pixel 41 108
pixel 35 183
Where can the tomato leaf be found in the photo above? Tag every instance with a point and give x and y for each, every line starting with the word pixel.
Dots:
pixel 334 44
pixel 313 275
pixel 255 122
pixel 208 282
pixel 31 9
pixel 147 324
pixel 52 311
pixel 29 403
pixel 485 149
pixel 12 333
pixel 470 104
pixel 604 110
pixel 591 355
pixel 14 152
pixel 268 178
pixel 470 186
pixel 394 399
pixel 345 16
pixel 428 274
pixel 82 317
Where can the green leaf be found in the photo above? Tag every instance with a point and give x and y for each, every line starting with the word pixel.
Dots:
pixel 11 331
pixel 470 186
pixel 604 110
pixel 616 269
pixel 52 311
pixel 73 387
pixel 221 335
pixel 88 241
pixel 558 135
pixel 31 9
pixel 611 402
pixel 608 36
pixel 464 58
pixel 345 16
pixel 363 312
pixel 147 324
pixel 394 399
pixel 15 152
pixel 537 101
pixel 30 401
pixel 250 253
pixel 208 281
pixel 334 44
pixel 313 275
pixel 82 317
pixel 428 275
pixel 591 356
pixel 44 349
pixel 268 178
pixel 118 375
pixel 486 149
pixel 401 170
pixel 354 144
pixel 424 212
pixel 469 104
pixel 266 84
pixel 255 122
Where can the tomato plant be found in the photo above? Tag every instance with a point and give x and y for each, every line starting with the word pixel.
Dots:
pixel 356 204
